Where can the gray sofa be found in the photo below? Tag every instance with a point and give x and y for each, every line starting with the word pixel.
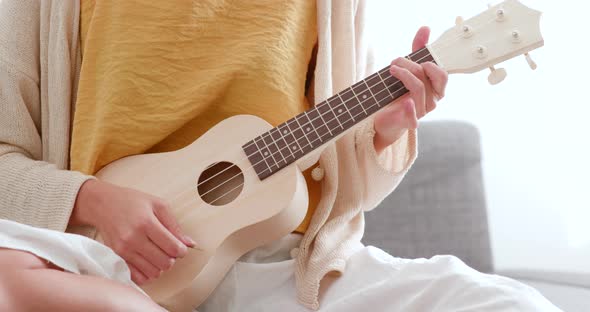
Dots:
pixel 439 208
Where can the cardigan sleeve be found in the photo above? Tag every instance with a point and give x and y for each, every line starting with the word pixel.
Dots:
pixel 32 191
pixel 381 174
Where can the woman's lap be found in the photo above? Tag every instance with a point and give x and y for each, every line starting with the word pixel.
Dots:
pixel 374 280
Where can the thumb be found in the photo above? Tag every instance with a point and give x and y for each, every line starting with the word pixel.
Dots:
pixel 169 222
pixel 421 38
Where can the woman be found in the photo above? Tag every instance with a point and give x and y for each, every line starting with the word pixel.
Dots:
pixel 155 76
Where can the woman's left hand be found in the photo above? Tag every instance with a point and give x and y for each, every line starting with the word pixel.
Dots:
pixel 426 83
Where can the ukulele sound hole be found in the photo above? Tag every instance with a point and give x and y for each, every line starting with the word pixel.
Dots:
pixel 220 183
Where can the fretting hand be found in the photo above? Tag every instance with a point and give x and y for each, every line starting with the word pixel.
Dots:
pixel 426 84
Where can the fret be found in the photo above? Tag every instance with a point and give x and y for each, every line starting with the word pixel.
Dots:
pixel 334 112
pixel 401 90
pixel 297 133
pixel 250 149
pixel 342 113
pixel 379 89
pixel 346 107
pixel 303 131
pixel 394 85
pixel 350 100
pixel 308 128
pixel 283 132
pixel 370 103
pixel 419 55
pixel 358 111
pixel 329 118
pixel 318 123
pixel 264 151
pixel 385 84
pixel 273 147
pixel 360 92
pixel 255 158
pixel 282 144
pixel 292 144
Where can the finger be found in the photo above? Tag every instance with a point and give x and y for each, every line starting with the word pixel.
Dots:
pixel 169 221
pixel 418 71
pixel 136 275
pixel 148 270
pixel 421 38
pixel 156 256
pixel 164 239
pixel 414 85
pixel 438 78
pixel 410 110
pixel 413 67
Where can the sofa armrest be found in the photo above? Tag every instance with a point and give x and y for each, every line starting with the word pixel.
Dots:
pixel 439 208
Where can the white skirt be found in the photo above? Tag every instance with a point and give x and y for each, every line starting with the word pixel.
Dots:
pixel 264 280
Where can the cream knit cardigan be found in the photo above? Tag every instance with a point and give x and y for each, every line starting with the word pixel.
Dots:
pixel 39 67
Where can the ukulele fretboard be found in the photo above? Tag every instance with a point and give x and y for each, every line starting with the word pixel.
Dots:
pixel 298 136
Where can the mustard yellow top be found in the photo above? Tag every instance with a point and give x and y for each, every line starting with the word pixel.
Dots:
pixel 157 75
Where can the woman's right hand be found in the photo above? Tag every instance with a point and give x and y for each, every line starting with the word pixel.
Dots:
pixel 137 226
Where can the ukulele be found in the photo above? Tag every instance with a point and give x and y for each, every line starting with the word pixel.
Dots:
pixel 239 186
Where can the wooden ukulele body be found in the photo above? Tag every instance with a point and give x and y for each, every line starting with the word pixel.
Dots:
pixel 261 212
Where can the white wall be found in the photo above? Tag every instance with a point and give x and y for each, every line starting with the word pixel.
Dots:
pixel 534 127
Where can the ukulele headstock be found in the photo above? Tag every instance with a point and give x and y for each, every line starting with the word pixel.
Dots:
pixel 502 32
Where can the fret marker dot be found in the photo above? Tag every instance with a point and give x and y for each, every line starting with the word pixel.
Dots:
pixel 364 96
pixel 265 153
pixel 284 131
pixel 308 129
pixel 294 147
pixel 340 111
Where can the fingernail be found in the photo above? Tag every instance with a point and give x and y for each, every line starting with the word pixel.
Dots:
pixel 189 241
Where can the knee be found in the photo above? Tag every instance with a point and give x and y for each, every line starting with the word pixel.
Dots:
pixel 12 263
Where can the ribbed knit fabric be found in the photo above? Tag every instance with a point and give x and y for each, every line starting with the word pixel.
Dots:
pixel 36 79
pixel 38 74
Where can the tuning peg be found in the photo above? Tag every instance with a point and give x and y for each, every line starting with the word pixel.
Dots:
pixel 459 21
pixel 529 60
pixel 497 75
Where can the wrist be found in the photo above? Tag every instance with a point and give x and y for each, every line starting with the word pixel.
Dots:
pixel 86 200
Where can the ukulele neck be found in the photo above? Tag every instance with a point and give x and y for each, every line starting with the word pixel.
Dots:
pixel 301 135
